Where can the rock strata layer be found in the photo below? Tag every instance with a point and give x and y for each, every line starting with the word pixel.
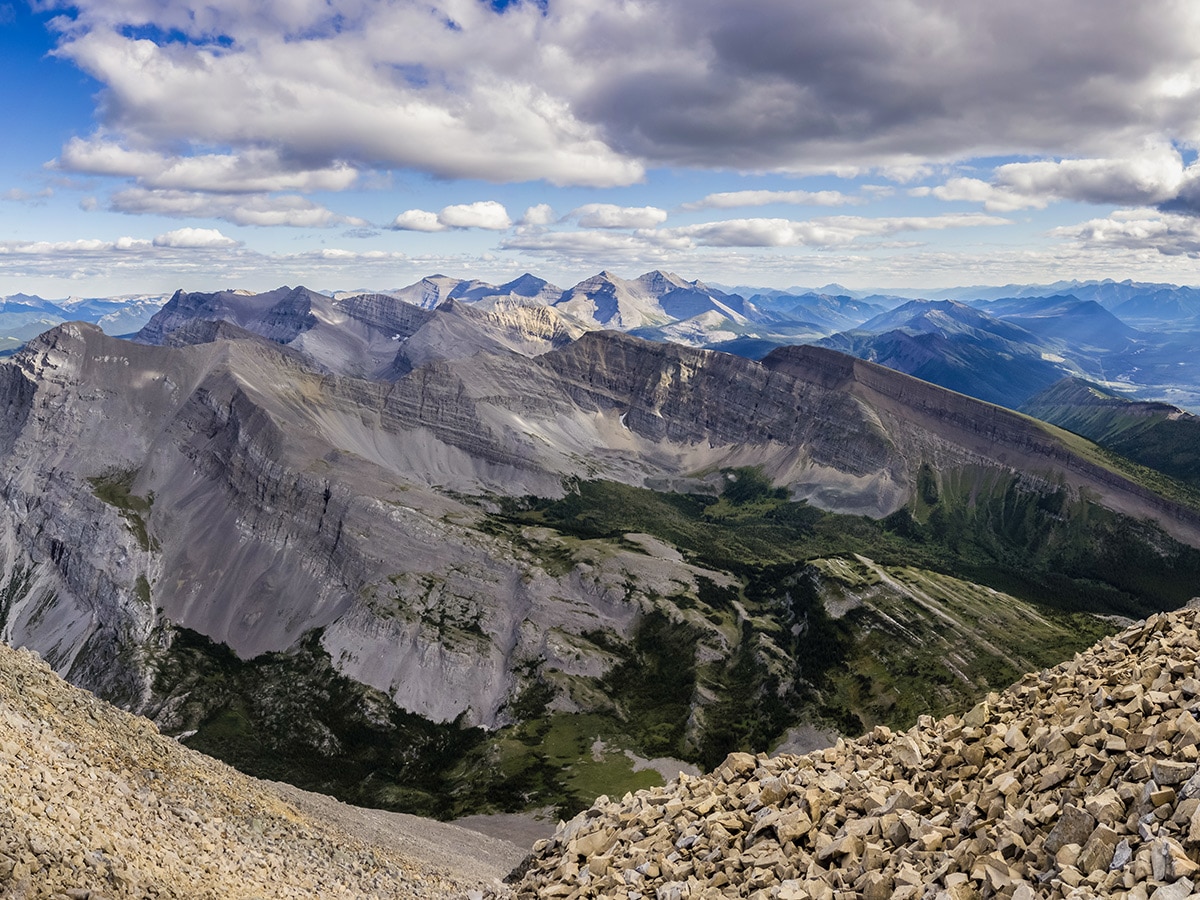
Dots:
pixel 95 804
pixel 1080 781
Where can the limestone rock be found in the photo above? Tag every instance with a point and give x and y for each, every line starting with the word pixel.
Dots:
pixel 1063 811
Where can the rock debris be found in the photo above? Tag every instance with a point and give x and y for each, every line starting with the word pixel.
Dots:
pixel 1080 781
pixel 96 804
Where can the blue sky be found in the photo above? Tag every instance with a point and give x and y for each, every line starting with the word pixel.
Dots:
pixel 342 144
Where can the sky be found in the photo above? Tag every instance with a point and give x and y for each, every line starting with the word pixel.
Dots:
pixel 150 145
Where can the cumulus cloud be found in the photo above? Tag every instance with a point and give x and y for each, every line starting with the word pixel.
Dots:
pixel 253 170
pixel 382 85
pixel 240 209
pixel 194 238
pixel 1141 229
pixel 831 231
pixel 734 199
pixel 975 190
pixel 486 214
pixel 608 215
pixel 541 214
pixel 1155 175
pixel 418 220
pixel 579 93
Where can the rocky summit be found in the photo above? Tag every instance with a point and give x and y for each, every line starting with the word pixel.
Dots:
pixel 1080 781
pixel 95 804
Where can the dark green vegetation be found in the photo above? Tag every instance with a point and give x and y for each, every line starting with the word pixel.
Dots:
pixel 1156 435
pixel 115 489
pixel 803 617
pixel 292 717
pixel 1025 537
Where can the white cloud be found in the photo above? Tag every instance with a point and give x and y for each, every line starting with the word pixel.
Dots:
pixel 541 214
pixel 974 190
pixel 418 220
pixel 80 246
pixel 253 170
pixel 1154 175
pixel 1169 234
pixel 878 191
pixel 486 214
pixel 577 242
pixel 831 231
pixel 194 238
pixel 733 199
pixel 608 215
pixel 240 209
pixel 386 86
pixel 20 195
pixel 729 239
pixel 579 93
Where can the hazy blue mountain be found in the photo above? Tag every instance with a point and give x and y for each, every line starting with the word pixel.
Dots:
pixel 957 347
pixel 833 312
pixel 1083 325
pixel 25 316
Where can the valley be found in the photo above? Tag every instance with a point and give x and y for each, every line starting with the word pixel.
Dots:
pixel 470 554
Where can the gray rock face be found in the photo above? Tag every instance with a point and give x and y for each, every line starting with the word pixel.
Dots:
pixel 254 491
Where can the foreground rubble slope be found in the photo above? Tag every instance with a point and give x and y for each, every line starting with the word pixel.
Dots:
pixel 1079 781
pixel 95 803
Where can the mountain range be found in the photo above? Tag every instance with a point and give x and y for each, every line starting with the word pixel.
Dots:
pixel 474 555
pixel 24 316
pixel 1002 345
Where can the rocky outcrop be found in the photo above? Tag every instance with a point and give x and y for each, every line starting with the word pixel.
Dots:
pixel 98 804
pixel 1079 781
pixel 987 432
pixel 233 489
pixel 240 489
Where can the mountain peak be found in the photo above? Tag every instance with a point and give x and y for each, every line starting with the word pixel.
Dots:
pixel 661 281
pixel 526 285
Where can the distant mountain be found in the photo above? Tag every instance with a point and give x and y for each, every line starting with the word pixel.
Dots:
pixel 613 302
pixel 24 316
pixel 1143 304
pixel 368 335
pixel 1083 325
pixel 15 303
pixel 824 311
pixel 957 347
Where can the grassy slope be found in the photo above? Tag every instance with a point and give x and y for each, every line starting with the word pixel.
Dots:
pixel 1153 435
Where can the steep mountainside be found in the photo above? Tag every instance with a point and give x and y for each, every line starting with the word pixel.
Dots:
pixel 99 804
pixel 338 578
pixel 1157 435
